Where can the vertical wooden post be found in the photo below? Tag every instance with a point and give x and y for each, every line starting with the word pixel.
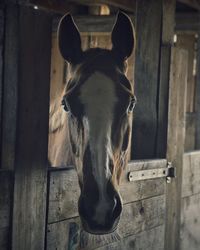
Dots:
pixel 148 31
pixel 10 77
pixel 29 206
pixel 197 97
pixel 168 22
pixel 2 16
pixel 175 144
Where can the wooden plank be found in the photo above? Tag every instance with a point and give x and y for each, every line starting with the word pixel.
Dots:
pixel 58 6
pixel 71 6
pixel 190 132
pixel 122 4
pixel 197 97
pixel 188 21
pixel 29 211
pixel 191 174
pixel 190 223
pixel 95 23
pixel 175 144
pixel 150 239
pixel 191 3
pixel 188 42
pixel 92 23
pixel 10 100
pixel 6 187
pixel 148 30
pixel 136 217
pixel 168 23
pixel 153 239
pixel 64 189
pixel 2 16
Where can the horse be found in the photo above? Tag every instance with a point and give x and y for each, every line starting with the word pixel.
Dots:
pixel 91 123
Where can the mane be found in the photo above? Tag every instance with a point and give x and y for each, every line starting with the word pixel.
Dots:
pixel 57 116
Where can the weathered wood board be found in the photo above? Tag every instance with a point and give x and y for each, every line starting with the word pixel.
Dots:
pixel 30 179
pixel 150 239
pixel 197 97
pixel 2 17
pixel 191 174
pixel 187 42
pixel 6 188
pixel 190 223
pixel 148 30
pixel 64 189
pixel 136 217
pixel 144 209
pixel 175 144
pixel 168 22
pixel 10 76
pixel 190 132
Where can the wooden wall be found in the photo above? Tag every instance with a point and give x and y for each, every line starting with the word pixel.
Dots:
pixel 148 30
pixel 24 125
pixel 143 213
pixel 190 209
pixel 2 20
pixel 6 190
pixel 188 42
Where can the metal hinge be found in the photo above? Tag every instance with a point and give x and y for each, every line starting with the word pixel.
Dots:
pixel 169 172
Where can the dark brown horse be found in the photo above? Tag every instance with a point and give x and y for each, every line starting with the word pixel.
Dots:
pixel 94 128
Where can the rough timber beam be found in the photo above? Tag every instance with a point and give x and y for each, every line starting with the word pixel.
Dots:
pixel 191 3
pixel 128 5
pixel 69 5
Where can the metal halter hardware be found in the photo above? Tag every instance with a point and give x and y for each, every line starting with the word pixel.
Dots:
pixel 132 104
pixel 65 105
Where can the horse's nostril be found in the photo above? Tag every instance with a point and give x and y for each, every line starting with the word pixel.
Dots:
pixel 117 208
pixel 100 218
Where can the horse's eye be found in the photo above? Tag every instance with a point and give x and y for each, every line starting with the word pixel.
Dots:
pixel 65 105
pixel 132 104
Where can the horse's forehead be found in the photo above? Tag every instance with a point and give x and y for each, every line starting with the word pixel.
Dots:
pixel 98 90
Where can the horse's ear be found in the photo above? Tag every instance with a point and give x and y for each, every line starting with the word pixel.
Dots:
pixel 123 36
pixel 69 40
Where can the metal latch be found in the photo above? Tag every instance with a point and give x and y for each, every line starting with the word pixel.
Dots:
pixel 169 172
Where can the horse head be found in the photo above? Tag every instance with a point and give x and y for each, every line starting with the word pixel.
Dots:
pixel 99 100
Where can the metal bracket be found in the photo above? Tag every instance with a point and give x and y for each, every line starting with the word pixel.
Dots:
pixel 169 172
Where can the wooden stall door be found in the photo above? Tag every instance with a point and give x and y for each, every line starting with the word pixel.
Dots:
pixel 190 202
pixel 142 221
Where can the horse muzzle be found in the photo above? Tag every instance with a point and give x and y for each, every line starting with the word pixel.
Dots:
pixel 100 218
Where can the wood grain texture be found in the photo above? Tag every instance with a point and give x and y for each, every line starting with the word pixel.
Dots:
pixel 190 132
pixel 197 97
pixel 136 217
pixel 64 189
pixel 191 3
pixel 122 4
pixel 191 174
pixel 190 223
pixel 29 209
pixel 6 187
pixel 70 6
pixel 168 23
pixel 2 21
pixel 187 22
pixel 10 99
pixel 187 42
pixel 175 144
pixel 148 30
pixel 150 239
